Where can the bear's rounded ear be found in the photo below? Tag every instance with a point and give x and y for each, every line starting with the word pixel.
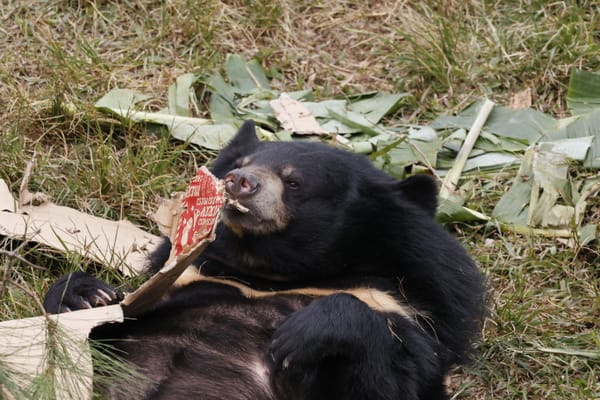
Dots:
pixel 243 143
pixel 421 190
pixel 245 138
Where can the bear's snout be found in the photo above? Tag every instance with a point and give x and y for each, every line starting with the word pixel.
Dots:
pixel 241 184
pixel 261 191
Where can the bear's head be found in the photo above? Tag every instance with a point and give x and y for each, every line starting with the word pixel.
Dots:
pixel 312 204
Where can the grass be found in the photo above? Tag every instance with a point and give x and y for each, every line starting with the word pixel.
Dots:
pixel 542 338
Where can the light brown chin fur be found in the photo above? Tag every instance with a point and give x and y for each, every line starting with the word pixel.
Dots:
pixel 236 229
pixel 257 227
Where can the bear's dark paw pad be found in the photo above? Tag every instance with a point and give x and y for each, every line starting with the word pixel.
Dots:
pixel 78 291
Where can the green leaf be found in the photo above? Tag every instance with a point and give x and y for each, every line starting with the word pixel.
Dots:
pixel 258 73
pixel 484 142
pixel 532 201
pixel 449 211
pixel 213 137
pixel 217 84
pixel 321 109
pixel 245 77
pixel 358 121
pixel 221 104
pixel 584 125
pixel 302 95
pixel 124 99
pixel 588 234
pixel 425 133
pixel 512 208
pixel 179 95
pixel 220 109
pixel 337 127
pixel 583 94
pixel 527 125
pixel 405 152
pixel 583 99
pixel 575 149
pixel 376 107
pixel 491 160
pixel 195 130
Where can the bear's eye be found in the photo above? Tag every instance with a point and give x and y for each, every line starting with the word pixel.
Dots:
pixel 290 177
pixel 241 162
pixel 238 163
pixel 292 184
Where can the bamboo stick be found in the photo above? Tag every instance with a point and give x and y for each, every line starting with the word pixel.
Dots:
pixel 451 179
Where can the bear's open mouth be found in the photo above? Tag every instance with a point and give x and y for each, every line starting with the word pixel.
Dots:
pixel 237 214
pixel 235 204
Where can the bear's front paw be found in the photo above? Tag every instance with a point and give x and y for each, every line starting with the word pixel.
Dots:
pixel 78 291
pixel 331 334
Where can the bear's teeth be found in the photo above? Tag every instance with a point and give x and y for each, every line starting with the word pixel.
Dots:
pixel 236 204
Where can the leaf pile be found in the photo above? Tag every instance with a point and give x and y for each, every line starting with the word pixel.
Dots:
pixel 207 110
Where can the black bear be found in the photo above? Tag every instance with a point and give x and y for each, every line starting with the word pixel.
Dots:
pixel 336 284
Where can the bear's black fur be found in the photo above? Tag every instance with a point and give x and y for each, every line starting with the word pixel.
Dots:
pixel 341 286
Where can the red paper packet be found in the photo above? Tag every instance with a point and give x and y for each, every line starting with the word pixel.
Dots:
pixel 197 215
pixel 201 207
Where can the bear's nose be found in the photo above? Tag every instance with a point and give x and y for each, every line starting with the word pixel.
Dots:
pixel 240 183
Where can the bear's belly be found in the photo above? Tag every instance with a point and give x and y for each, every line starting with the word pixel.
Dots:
pixel 213 347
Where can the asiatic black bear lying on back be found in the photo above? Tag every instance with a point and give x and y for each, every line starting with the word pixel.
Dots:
pixel 341 286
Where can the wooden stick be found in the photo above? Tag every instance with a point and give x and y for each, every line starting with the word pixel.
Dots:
pixel 451 180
